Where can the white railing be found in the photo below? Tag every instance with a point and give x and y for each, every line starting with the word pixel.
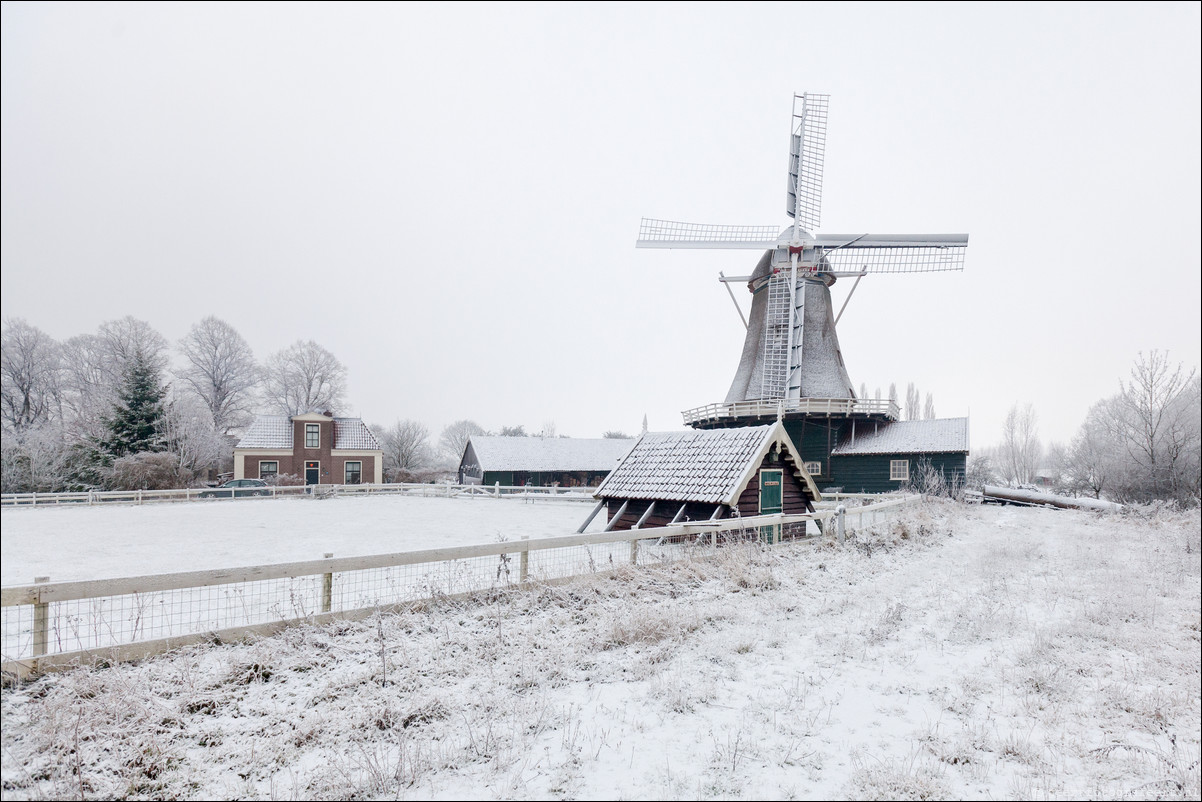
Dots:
pixel 771 407
pixel 54 624
pixel 217 493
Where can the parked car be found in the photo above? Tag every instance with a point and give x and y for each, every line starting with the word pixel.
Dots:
pixel 237 488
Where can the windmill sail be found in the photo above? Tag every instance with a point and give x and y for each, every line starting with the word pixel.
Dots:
pixel 807 151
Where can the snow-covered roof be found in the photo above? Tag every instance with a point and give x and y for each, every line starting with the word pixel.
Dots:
pixel 268 431
pixel 353 433
pixel 907 437
pixel 711 466
pixel 496 453
pixel 275 431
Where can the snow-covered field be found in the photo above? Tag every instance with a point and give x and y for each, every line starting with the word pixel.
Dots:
pixel 953 652
pixel 69 543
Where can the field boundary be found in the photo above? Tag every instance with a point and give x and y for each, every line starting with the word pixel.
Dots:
pixel 116 619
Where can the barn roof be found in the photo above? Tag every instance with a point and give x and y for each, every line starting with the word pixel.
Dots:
pixel 706 465
pixel 908 437
pixel 275 431
pixel 540 454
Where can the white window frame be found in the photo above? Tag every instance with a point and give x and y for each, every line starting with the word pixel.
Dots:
pixel 346 465
pixel 814 467
pixel 274 462
pixel 316 427
pixel 899 470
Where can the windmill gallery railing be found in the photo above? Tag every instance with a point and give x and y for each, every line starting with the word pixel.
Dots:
pixel 771 407
pixel 50 625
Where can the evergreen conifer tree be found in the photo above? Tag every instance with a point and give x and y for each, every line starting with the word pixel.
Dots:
pixel 138 415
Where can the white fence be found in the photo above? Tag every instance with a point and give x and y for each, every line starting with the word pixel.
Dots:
pixel 55 624
pixel 95 497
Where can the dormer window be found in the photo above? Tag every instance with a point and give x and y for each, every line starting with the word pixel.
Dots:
pixel 312 435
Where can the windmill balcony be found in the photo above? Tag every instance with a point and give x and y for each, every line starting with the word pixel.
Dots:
pixel 768 408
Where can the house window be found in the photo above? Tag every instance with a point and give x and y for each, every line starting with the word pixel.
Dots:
pixel 312 435
pixel 814 468
pixel 899 470
pixel 354 473
pixel 269 470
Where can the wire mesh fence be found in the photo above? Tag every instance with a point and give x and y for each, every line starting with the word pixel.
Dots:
pixel 98 617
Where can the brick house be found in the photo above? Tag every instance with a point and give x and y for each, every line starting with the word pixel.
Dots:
pixel 315 446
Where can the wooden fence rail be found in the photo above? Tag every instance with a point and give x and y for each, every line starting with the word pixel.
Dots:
pixel 94 497
pixel 29 648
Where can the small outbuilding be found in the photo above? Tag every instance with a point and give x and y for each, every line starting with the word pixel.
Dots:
pixel 540 461
pixel 707 474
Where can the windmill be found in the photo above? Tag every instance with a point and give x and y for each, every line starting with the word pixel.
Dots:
pixel 791 361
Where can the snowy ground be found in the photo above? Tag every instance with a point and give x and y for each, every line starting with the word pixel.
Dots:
pixel 69 543
pixel 954 652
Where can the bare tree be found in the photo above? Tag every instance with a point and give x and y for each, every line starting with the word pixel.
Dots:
pixel 124 339
pixel 29 375
pixel 88 393
pixel 221 371
pixel 454 438
pixel 863 390
pixel 1020 451
pixel 304 377
pixel 928 409
pixel 892 393
pixel 614 434
pixel 1155 418
pixel 406 447
pixel 513 431
pixel 548 429
pixel 1091 465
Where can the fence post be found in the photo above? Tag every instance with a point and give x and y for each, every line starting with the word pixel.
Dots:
pixel 41 622
pixel 634 552
pixel 840 521
pixel 327 588
pixel 524 561
pixel 776 531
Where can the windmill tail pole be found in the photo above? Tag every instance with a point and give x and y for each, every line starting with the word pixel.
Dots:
pixel 1063 502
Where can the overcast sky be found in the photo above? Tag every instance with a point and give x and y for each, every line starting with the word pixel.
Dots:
pixel 447 196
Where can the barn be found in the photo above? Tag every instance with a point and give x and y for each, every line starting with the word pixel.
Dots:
pixel 540 461
pixel 707 474
pixel 887 456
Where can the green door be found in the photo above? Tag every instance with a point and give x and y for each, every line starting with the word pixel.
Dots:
pixel 770 492
pixel 770 499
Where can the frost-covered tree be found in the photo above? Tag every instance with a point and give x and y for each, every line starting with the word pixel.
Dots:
pixel 35 460
pixel 1020 451
pixel 913 402
pixel 1157 422
pixel 304 377
pixel 892 393
pixel 614 434
pixel 454 438
pixel 128 339
pixel 513 431
pixel 188 435
pixel 29 375
pixel 928 408
pixel 406 446
pixel 220 370
pixel 863 390
pixel 137 419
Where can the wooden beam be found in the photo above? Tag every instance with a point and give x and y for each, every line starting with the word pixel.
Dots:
pixel 646 515
pixel 617 517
